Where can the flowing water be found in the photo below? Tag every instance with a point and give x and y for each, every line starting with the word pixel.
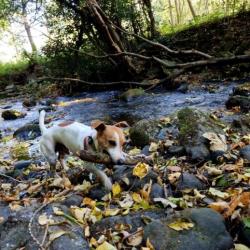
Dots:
pixel 106 106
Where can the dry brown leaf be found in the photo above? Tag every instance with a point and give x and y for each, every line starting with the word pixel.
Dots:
pixel 44 220
pixel 106 246
pixel 220 206
pixel 242 199
pixel 135 239
pixel 57 234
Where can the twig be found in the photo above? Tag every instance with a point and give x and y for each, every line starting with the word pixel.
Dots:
pixel 45 234
pixel 9 177
pixel 30 225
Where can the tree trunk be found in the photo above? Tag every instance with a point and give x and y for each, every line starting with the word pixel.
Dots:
pixel 177 11
pixel 170 7
pixel 27 28
pixel 191 9
pixel 148 5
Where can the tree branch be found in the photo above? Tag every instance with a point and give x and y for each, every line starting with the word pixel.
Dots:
pixel 105 159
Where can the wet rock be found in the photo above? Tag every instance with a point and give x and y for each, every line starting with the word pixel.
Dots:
pixel 157 191
pixel 12 114
pixel 209 232
pixel 134 219
pixel 4 213
pixel 97 192
pixel 176 150
pixel 245 152
pixel 183 88
pixel 192 125
pixel 27 132
pixel 124 176
pixel 189 181
pixel 25 164
pixel 242 101
pixel 72 241
pixel 132 93
pixel 145 150
pixel 1 135
pixel 143 132
pixel 73 200
pixel 242 89
pixel 29 102
pixel 242 123
pixel 14 232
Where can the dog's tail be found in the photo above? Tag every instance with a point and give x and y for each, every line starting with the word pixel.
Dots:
pixel 41 121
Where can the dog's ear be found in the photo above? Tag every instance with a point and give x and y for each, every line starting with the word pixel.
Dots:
pixel 122 124
pixel 98 125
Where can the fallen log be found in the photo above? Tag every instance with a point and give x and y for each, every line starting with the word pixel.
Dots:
pixel 105 159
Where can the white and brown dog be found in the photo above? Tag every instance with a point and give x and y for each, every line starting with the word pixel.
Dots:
pixel 72 137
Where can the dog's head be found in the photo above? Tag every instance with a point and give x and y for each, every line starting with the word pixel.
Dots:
pixel 110 138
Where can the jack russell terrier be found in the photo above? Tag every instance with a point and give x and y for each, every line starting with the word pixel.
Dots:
pixel 72 137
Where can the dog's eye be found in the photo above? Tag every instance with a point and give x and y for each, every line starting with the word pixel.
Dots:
pixel 112 143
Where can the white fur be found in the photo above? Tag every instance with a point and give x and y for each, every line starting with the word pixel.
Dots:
pixel 116 153
pixel 71 136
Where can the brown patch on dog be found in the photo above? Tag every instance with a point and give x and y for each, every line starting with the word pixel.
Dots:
pixel 65 124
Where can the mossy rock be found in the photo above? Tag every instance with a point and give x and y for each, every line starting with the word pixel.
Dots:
pixel 12 114
pixel 20 151
pixel 237 100
pixel 143 132
pixel 132 93
pixel 242 123
pixel 243 89
pixel 192 125
pixel 207 232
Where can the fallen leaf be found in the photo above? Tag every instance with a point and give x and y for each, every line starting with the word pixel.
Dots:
pixel 165 202
pixel 106 246
pixel 213 170
pixel 141 170
pixel 217 141
pixel 218 193
pixel 180 225
pixel 241 247
pixel 246 222
pixel 89 202
pixel 44 220
pixel 136 197
pixel 153 147
pixel 56 235
pixel 116 189
pixel 127 202
pixel 135 151
pixel 111 212
pixel 174 177
pixel 149 244
pixel 220 206
pixel 135 239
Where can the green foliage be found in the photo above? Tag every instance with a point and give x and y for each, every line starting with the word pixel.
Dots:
pixel 13 67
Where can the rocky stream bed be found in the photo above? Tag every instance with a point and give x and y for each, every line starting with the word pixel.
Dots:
pixel 195 194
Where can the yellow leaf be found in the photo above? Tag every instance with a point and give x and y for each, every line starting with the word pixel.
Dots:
pixel 106 246
pixel 80 213
pixel 56 235
pixel 141 170
pixel 116 189
pixel 111 212
pixel 218 193
pixel 89 202
pixel 96 215
pixel 149 244
pixel 180 225
pixel 136 197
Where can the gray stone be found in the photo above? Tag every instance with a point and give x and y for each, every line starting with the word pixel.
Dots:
pixel 27 132
pixel 157 191
pixel 189 181
pixel 208 233
pixel 245 152
pixel 242 89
